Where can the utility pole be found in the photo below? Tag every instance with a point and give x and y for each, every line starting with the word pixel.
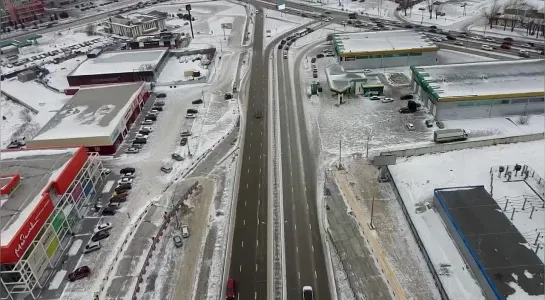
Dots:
pixel 203 102
pixel 367 147
pixel 188 149
pixel 340 167
pixel 371 225
pixel 188 8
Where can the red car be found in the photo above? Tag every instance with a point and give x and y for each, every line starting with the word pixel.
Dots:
pixel 505 46
pixel 231 289
pixel 79 273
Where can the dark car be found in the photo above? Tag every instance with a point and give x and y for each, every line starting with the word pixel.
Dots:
pixel 406 97
pixel 183 141
pixel 127 170
pixel 405 110
pixel 505 46
pixel 319 55
pixel 186 133
pixel 282 42
pixel 450 37
pixel 228 96
pixel 408 26
pixel 144 131
pixel 108 211
pixel 118 198
pixel 151 117
pixel 100 236
pixel 231 292
pixel 198 101
pixel 161 95
pixel 79 273
pixel 158 108
pixel 313 60
pixel 123 188
pixel 192 111
pixel 280 46
pixel 507 43
pixel 140 141
pixel 429 123
pixel 258 115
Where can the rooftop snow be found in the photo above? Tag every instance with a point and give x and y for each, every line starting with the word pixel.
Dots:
pixel 497 245
pixel 127 61
pixel 37 169
pixel 377 41
pixel 485 78
pixel 93 111
pixel 339 80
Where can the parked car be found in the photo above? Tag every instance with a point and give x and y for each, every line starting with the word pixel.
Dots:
pixel 114 204
pixel 198 101
pixel 374 98
pixel 145 130
pixel 147 122
pixel 126 180
pixel 505 46
pixel 102 227
pixel 136 145
pixel 487 47
pixel 177 157
pixel 151 116
pixel 185 231
pixel 192 111
pixel 228 96
pixel 405 110
pixel 157 108
pixel 183 141
pixel 161 95
pixel 231 292
pixel 79 273
pixel 166 169
pixel 407 97
pixel 178 242
pixel 410 126
pixel 450 37
pixel 429 123
pixel 132 150
pixel 100 236
pixel 118 199
pixel 387 100
pixel 140 140
pixel 185 133
pixel 159 103
pixel 459 43
pixel 91 247
pixel 190 116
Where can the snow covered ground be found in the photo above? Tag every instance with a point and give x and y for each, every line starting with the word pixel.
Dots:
pixel 15 116
pixel 58 72
pixel 371 8
pixel 463 168
pixel 175 67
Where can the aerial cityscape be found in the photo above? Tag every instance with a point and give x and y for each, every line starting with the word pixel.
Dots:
pixel 272 149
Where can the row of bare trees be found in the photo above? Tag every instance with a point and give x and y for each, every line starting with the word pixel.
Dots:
pixel 522 17
pixel 431 5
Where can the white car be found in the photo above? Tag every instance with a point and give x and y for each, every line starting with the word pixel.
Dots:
pixel 147 122
pixel 127 175
pixel 387 100
pixel 437 39
pixel 374 98
pixel 105 171
pixel 132 150
pixel 489 39
pixel 458 43
pixel 185 231
pixel 102 227
pixel 410 126
pixel 475 37
pixel 146 128
pixel 366 71
pixel 126 180
pixel 487 47
pixel 91 247
pixel 141 136
pixel 190 116
pixel 154 111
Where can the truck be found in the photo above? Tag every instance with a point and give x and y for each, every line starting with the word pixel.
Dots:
pixel 449 135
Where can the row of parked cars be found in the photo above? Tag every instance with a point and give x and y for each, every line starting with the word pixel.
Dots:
pixel 145 130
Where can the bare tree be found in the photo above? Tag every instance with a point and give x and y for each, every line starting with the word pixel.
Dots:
pixel 429 5
pixel 90 29
pixel 523 120
pixel 491 13
pixel 405 5
pixel 438 7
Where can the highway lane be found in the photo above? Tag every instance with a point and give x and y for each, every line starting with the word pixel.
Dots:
pixel 249 248
pixel 305 261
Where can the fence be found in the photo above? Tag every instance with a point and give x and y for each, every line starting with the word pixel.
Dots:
pixel 157 238
pixel 419 242
pixel 438 148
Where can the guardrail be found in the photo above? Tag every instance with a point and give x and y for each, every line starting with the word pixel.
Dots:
pixel 418 240
pixel 157 238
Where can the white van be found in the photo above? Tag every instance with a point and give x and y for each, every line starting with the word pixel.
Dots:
pixel 185 231
pixel 487 47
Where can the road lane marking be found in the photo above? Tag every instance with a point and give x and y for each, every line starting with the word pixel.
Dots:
pixel 256 267
pixel 240 268
pixel 249 157
pixel 315 275
pixel 246 185
pixel 296 249
pixel 260 157
pixel 257 221
pixel 309 225
pixel 261 132
pixel 260 169
pixel 250 145
pixel 257 244
pixel 242 244
pixel 299 275
pixel 244 202
pixel 312 248
pixel 259 184
pixel 261 144
pixel 255 295
pixel 295 226
pixel 248 171
pixel 244 221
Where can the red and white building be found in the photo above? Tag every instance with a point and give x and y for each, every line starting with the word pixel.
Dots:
pixel 97 117
pixel 22 11
pixel 44 194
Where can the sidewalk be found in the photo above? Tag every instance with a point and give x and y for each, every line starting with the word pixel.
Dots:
pixel 392 242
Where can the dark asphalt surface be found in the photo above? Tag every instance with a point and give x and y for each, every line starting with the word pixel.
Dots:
pixel 305 261
pixel 249 249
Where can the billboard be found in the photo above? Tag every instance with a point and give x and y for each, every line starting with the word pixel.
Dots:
pixel 281 6
pixel 38 261
pixel 52 247
pixel 27 232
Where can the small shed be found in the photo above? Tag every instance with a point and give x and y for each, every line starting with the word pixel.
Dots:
pixel 26 75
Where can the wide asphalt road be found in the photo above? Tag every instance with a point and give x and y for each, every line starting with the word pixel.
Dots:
pixel 305 261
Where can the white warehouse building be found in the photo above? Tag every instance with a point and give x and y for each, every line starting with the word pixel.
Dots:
pixel 384 49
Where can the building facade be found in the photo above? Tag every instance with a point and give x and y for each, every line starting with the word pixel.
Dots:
pixel 36 249
pixel 135 26
pixel 493 89
pixel 22 11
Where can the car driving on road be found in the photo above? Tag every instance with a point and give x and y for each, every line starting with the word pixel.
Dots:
pixel 308 294
pixel 100 236
pixel 79 273
pixel 91 247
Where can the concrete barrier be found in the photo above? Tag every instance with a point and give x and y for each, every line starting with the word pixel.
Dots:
pixel 439 148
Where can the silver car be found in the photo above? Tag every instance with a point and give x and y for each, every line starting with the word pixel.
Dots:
pixel 178 242
pixel 91 247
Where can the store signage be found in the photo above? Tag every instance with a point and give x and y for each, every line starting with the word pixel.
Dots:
pixel 24 236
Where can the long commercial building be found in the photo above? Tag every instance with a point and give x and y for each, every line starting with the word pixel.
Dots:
pixel 383 49
pixel 45 193
pixel 481 89
pixel 96 117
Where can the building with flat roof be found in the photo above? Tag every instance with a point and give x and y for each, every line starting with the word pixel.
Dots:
pixel 383 49
pixel 491 245
pixel 119 66
pixel 135 25
pixel 481 89
pixel 44 194
pixel 96 117
pixel 342 82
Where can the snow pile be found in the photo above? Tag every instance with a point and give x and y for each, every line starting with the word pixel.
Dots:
pixel 175 68
pixel 468 167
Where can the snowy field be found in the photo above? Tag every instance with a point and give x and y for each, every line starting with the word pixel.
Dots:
pixel 371 8
pixel 13 118
pixel 175 67
pixel 463 168
pixel 277 23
